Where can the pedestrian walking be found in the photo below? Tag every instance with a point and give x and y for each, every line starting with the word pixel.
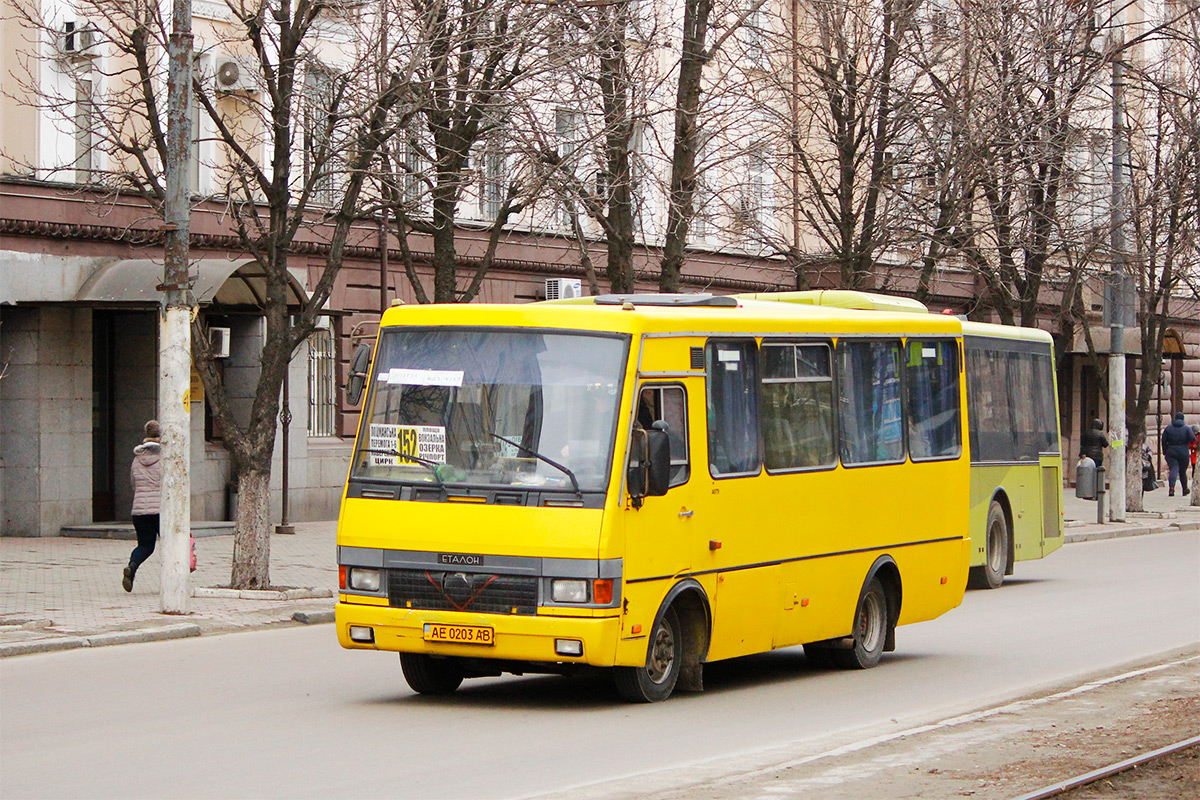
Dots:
pixel 1093 442
pixel 146 476
pixel 1177 441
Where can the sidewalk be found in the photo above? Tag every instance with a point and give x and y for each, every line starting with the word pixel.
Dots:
pixel 61 593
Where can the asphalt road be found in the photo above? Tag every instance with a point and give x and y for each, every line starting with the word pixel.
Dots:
pixel 289 714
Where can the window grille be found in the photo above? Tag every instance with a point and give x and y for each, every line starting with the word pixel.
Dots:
pixel 322 394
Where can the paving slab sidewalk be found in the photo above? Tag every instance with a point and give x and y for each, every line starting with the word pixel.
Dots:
pixel 65 592
pixel 59 593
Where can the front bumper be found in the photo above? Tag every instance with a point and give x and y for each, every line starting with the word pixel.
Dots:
pixel 517 638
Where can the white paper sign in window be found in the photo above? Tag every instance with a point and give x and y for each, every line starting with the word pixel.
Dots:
pixel 426 377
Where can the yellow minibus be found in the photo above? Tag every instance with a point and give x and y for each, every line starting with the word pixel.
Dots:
pixel 649 483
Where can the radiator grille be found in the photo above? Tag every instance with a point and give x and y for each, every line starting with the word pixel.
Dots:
pixel 477 592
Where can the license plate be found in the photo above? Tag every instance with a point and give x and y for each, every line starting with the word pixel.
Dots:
pixel 459 634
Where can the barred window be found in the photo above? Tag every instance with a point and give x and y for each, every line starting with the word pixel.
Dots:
pixel 322 395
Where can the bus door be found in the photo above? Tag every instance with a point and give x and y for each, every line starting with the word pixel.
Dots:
pixel 741 507
pixel 660 538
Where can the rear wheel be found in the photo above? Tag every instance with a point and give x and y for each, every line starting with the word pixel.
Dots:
pixel 870 630
pixel 664 656
pixel 991 574
pixel 428 675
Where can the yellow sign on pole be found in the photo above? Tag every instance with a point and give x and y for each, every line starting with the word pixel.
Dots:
pixel 196 390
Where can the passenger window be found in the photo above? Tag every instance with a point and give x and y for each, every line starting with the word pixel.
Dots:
pixel 869 402
pixel 931 392
pixel 668 404
pixel 732 370
pixel 797 412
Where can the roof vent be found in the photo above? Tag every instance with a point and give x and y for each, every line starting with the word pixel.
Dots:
pixel 708 300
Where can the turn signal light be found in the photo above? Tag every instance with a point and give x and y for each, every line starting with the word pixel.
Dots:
pixel 341 576
pixel 602 591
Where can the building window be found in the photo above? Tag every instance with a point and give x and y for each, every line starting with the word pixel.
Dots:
pixel 754 32
pixel 85 131
pixel 492 188
pixel 567 124
pixel 320 150
pixel 754 191
pixel 322 394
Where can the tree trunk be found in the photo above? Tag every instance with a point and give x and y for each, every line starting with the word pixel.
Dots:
pixel 1133 472
pixel 252 542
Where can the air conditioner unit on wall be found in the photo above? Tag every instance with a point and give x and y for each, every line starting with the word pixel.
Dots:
pixel 563 288
pixel 78 40
pixel 233 76
pixel 218 340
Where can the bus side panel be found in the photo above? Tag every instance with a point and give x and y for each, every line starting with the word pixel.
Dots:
pixel 1052 504
pixel 1021 486
pixel 799 525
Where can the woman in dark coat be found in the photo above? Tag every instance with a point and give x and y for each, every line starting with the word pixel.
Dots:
pixel 1177 439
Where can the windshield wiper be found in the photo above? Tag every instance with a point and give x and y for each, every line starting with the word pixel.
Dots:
pixel 425 462
pixel 541 457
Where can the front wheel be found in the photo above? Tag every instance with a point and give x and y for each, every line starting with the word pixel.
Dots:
pixel 656 680
pixel 428 675
pixel 991 574
pixel 870 630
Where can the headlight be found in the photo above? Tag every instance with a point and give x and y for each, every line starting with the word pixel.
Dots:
pixel 365 580
pixel 570 592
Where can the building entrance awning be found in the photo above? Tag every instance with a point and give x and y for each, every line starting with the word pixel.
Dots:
pixel 217 282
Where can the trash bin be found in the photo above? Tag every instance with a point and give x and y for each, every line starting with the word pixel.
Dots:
pixel 1085 479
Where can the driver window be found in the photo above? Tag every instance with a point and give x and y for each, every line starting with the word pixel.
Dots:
pixel 668 404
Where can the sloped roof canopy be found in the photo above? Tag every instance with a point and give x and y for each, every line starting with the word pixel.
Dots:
pixel 231 285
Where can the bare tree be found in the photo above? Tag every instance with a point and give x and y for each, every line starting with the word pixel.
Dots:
pixel 475 60
pixel 1164 209
pixel 292 139
pixel 845 102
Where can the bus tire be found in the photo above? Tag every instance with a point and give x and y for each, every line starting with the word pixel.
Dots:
pixel 991 574
pixel 870 630
pixel 428 675
pixel 664 659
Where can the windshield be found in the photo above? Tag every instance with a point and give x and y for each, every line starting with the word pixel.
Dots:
pixel 492 408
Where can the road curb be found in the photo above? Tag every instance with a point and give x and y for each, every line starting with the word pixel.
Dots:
pixel 256 594
pixel 1120 531
pixel 313 617
pixel 49 645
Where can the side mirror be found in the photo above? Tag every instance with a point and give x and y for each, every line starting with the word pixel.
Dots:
pixel 658 468
pixel 358 374
pixel 649 472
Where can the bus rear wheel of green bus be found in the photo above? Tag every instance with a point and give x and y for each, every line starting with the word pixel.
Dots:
pixel 429 675
pixel 664 656
pixel 991 574
pixel 870 630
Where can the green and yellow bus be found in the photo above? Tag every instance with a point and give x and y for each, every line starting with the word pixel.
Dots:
pixel 1016 452
pixel 648 483
pixel 1015 444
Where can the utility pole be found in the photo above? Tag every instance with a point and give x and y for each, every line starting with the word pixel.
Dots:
pixel 175 332
pixel 1117 307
